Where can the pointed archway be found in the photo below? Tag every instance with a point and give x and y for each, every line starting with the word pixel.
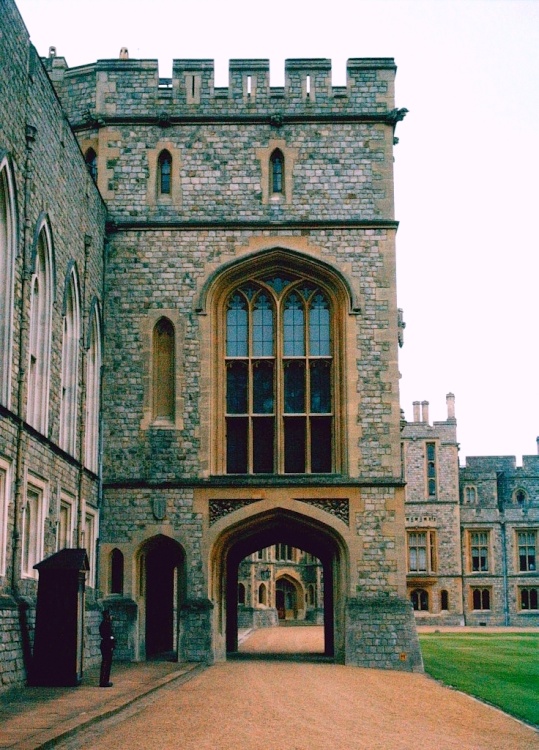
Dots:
pixel 280 526
pixel 162 568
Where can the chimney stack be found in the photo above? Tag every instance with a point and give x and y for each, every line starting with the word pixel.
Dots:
pixel 124 53
pixel 425 412
pixel 450 401
pixel 537 441
pixel 416 412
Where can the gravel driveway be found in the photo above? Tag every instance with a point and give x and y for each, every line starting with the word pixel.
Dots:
pixel 280 705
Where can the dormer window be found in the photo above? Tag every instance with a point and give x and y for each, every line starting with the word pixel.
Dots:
pixel 277 172
pixel 165 172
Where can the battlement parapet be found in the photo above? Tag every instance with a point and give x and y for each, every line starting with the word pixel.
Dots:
pixel 132 88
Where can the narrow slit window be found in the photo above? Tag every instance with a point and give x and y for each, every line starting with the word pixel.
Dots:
pixel 277 172
pixel 165 173
pixel 163 370
pixel 90 158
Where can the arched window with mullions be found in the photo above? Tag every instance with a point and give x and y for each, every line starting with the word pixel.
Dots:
pixel 93 391
pixel 279 367
pixel 41 299
pixel 70 363
pixel 8 246
pixel 164 169
pixel 277 172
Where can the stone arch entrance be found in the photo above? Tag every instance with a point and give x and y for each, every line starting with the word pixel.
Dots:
pixel 162 575
pixel 278 526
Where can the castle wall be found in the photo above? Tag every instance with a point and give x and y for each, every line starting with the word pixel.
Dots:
pixel 50 180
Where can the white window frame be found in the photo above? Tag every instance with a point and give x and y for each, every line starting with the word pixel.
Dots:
pixel 5 498
pixel 37 506
pixel 430 548
pixel 67 502
pixel 91 532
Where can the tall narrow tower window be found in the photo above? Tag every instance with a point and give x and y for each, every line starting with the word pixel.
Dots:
pixel 93 393
pixel 277 172
pixel 7 262
pixel 40 333
pixel 163 370
pixel 164 164
pixel 70 360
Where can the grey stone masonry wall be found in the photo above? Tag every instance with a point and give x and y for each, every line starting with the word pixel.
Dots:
pixel 133 88
pixel 51 182
pixel 436 515
pixel 153 270
pixel 506 504
pixel 380 633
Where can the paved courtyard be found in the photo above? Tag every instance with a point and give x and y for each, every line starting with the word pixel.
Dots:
pixel 254 704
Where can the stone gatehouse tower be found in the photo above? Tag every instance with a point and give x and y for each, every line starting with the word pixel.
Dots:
pixel 236 270
pixel 250 367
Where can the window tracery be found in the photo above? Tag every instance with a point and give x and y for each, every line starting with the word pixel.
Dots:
pixel 279 365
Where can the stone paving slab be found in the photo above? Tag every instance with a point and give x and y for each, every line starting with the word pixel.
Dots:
pixel 35 718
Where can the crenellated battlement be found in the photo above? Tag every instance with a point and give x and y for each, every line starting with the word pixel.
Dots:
pixel 132 88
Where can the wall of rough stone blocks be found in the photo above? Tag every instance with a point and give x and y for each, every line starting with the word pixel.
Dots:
pixel 50 177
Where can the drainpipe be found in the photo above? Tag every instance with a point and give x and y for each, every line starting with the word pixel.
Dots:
pixel 24 313
pixel 18 499
pixel 463 541
pixel 504 573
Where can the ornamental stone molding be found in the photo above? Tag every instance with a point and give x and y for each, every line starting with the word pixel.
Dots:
pixel 338 508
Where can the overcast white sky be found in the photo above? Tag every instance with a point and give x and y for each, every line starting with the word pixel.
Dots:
pixel 466 166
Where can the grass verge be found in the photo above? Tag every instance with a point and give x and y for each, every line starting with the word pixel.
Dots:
pixel 502 669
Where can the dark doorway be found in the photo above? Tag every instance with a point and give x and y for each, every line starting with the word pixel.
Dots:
pixel 286 599
pixel 163 586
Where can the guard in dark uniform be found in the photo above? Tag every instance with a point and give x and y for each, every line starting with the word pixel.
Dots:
pixel 107 647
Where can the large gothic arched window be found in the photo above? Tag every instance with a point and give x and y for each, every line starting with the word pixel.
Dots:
pixel 7 266
pixel 70 360
pixel 41 299
pixel 93 392
pixel 279 376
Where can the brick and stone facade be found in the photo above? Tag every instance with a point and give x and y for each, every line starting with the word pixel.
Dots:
pixel 45 185
pixel 200 191
pixel 173 254
pixel 472 531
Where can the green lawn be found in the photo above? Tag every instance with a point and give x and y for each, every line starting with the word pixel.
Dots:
pixel 502 669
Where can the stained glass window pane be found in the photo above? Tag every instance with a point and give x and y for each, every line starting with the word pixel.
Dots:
pixel 277 162
pixel 320 387
pixel 236 327
pixel 263 387
pixel 321 445
pixel 294 445
pixel 294 387
pixel 294 327
pixel 263 445
pixel 236 445
pixel 236 388
pixel 319 330
pixel 262 327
